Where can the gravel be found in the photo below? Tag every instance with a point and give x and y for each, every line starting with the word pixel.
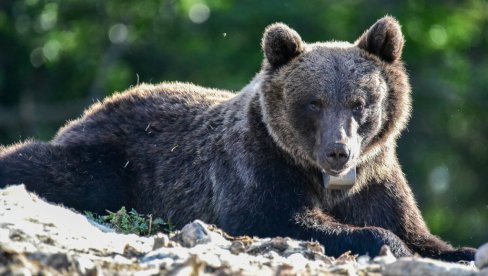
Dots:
pixel 38 237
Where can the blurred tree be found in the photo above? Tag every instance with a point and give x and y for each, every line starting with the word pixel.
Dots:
pixel 56 57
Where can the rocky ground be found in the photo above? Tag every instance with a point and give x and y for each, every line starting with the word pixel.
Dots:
pixel 40 238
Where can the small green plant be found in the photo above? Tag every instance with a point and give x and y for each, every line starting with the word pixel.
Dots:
pixel 132 222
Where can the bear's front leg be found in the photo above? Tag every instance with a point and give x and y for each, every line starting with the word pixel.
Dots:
pixel 431 246
pixel 414 232
pixel 338 238
pixel 391 206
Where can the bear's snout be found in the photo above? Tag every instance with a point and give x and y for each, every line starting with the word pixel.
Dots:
pixel 337 155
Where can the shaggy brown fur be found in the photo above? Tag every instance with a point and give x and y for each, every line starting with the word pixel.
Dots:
pixel 252 163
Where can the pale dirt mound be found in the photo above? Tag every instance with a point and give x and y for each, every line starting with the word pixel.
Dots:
pixel 38 237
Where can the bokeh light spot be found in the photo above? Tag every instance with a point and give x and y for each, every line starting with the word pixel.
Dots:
pixel 438 36
pixel 199 13
pixel 51 50
pixel 118 33
pixel 37 57
pixel 49 16
pixel 439 179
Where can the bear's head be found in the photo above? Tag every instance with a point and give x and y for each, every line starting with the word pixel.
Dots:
pixel 334 105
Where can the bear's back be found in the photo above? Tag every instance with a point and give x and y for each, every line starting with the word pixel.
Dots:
pixel 145 108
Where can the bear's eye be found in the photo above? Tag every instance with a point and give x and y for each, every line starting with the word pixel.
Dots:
pixel 314 105
pixel 358 106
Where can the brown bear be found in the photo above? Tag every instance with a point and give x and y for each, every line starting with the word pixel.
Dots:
pixel 254 162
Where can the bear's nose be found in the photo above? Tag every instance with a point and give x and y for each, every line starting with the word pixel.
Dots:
pixel 337 155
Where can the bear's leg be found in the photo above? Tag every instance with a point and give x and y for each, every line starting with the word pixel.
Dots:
pixel 338 238
pixel 391 206
pixel 417 236
pixel 274 219
pixel 86 177
pixel 433 247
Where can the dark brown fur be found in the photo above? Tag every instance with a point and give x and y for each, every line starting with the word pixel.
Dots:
pixel 252 163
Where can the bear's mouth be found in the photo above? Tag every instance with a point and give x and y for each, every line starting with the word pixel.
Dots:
pixel 336 173
pixel 342 180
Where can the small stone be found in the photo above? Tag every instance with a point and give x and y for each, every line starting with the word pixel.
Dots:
pixel 237 247
pixel 17 235
pixel 315 247
pixel 85 266
pixel 195 233
pixel 192 266
pixel 272 255
pixel 385 256
pixel 419 266
pixel 166 263
pixel 297 261
pixel 210 259
pixel 130 251
pixel 58 261
pixel 481 257
pixel 280 244
pixel 284 270
pixel 363 259
pixel 119 259
pixel 344 269
pixel 161 240
pixel 385 251
pixel 324 259
pixel 172 244
pixel 346 257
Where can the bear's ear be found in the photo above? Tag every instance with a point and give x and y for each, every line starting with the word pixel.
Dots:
pixel 384 39
pixel 280 44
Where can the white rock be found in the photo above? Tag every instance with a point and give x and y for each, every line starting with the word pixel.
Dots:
pixel 197 232
pixel 420 266
pixel 271 255
pixel 165 252
pixel 166 263
pixel 385 257
pixel 160 240
pixel 85 266
pixel 211 259
pixel 481 257
pixel 297 261
pixel 118 259
pixel 363 259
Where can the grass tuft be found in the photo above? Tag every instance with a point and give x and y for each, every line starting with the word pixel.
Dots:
pixel 132 222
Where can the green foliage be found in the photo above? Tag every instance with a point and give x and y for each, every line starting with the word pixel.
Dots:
pixel 132 222
pixel 58 56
